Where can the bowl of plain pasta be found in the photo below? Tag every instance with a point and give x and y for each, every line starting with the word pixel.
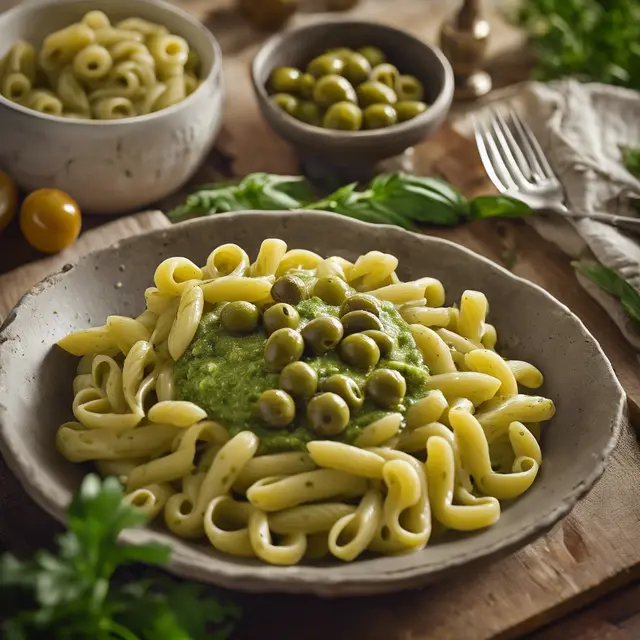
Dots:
pixel 115 103
pixel 303 402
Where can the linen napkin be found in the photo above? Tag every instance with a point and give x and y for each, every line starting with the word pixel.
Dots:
pixel 581 128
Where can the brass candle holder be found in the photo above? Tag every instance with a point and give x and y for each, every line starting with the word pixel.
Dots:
pixel 464 39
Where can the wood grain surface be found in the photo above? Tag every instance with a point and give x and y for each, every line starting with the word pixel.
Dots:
pixel 592 552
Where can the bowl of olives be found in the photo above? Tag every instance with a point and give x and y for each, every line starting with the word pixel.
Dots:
pixel 350 94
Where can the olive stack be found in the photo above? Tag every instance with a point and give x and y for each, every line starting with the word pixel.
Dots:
pixel 357 336
pixel 348 90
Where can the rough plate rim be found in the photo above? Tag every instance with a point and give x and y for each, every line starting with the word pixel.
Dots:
pixel 264 578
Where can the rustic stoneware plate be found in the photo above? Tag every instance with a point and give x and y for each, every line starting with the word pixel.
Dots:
pixel 36 376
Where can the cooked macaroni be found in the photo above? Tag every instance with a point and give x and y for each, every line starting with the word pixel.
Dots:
pixel 93 69
pixel 445 458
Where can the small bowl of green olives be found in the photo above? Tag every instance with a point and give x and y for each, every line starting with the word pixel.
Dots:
pixel 348 95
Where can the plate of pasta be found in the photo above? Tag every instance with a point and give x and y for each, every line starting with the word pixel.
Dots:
pixel 302 402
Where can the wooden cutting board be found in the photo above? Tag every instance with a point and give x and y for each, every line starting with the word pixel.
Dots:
pixel 591 552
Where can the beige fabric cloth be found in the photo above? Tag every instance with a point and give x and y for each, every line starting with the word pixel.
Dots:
pixel 580 127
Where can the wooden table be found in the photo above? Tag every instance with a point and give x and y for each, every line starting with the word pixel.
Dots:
pixel 246 145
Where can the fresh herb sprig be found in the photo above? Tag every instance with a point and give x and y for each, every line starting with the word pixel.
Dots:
pixel 613 283
pixel 631 160
pixel 72 594
pixel 399 199
pixel 591 40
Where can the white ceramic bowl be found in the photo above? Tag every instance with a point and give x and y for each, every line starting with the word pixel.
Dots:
pixel 110 166
pixel 36 379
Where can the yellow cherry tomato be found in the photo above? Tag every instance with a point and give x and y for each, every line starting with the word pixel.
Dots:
pixel 8 200
pixel 50 220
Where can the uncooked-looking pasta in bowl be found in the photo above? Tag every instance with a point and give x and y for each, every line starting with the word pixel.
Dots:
pixel 297 406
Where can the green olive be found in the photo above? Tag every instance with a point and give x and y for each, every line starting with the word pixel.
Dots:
pixel 306 85
pixel 308 112
pixel 331 289
pixel 357 321
pixel 283 347
pixel 356 68
pixel 373 92
pixel 284 80
pixel 373 55
pixel 280 316
pixel 343 116
pixel 276 408
pixel 332 89
pixel 325 65
pixel 383 340
pixel 386 387
pixel 340 52
pixel 379 116
pixel 360 351
pixel 239 317
pixel 346 388
pixel 408 109
pixel 322 334
pixel 289 289
pixel 385 73
pixel 299 379
pixel 409 88
pixel 360 302
pixel 328 414
pixel 285 101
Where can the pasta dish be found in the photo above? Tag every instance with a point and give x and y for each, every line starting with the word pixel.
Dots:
pixel 296 406
pixel 94 69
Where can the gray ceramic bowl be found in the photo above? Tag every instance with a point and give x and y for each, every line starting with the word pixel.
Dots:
pixel 36 376
pixel 354 154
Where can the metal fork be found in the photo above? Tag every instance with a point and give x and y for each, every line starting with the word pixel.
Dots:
pixel 517 166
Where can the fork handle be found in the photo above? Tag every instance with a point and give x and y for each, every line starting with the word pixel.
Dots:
pixel 621 222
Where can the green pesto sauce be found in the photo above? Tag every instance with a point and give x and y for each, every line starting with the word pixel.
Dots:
pixel 225 375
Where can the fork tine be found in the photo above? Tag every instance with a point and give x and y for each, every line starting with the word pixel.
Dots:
pixel 491 159
pixel 531 147
pixel 511 146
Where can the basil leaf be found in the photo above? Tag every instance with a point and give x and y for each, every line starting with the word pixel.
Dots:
pixel 484 207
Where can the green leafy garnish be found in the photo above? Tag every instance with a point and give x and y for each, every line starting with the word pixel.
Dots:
pixel 399 199
pixel 613 283
pixel 591 40
pixel 73 595
pixel 631 159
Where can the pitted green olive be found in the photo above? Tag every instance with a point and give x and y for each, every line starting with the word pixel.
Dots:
pixel 328 414
pixel 373 55
pixel 360 351
pixel 386 387
pixel 385 73
pixel 307 111
pixel 322 334
pixel 409 88
pixel 343 116
pixel 280 316
pixel 285 80
pixel 299 380
pixel 356 68
pixel 340 52
pixel 306 85
pixel 239 317
pixel 283 347
pixel 331 89
pixel 332 290
pixel 289 289
pixel 360 302
pixel 374 92
pixel 382 339
pixel 379 116
pixel 408 109
pixel 346 388
pixel 325 65
pixel 276 408
pixel 357 321
pixel 286 102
